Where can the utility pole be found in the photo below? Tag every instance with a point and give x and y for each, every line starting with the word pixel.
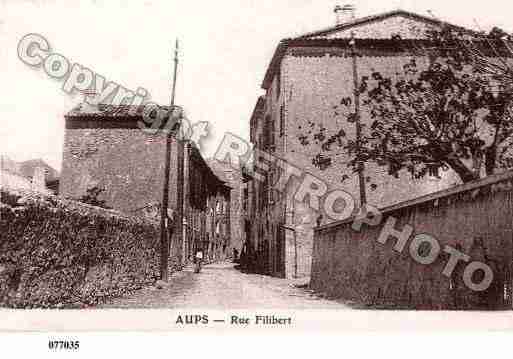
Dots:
pixel 361 165
pixel 294 233
pixel 164 219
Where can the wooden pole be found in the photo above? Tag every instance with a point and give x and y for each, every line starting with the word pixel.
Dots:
pixel 164 220
pixel 295 236
pixel 361 165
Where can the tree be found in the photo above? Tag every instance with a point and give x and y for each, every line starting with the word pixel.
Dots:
pixel 499 34
pixel 453 113
pixel 92 197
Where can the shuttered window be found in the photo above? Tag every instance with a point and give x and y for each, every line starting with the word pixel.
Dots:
pixel 282 120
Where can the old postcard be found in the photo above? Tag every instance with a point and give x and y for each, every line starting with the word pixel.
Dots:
pixel 255 166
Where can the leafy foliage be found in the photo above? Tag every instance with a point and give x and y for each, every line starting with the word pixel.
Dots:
pixel 92 197
pixel 450 111
pixel 9 199
pixel 499 34
pixel 56 253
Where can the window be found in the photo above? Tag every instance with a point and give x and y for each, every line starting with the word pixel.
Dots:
pixel 268 132
pixel 278 85
pixel 282 120
pixel 272 133
pixel 270 193
pixel 263 195
pixel 245 199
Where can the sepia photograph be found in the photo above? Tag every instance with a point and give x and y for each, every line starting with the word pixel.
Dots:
pixel 168 166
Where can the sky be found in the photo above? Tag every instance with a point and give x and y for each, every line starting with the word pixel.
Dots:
pixel 225 48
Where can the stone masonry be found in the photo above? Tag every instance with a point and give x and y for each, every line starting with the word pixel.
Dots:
pixel 309 76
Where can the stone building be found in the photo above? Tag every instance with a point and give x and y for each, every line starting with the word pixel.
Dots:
pixel 108 147
pixel 308 76
pixel 32 175
pixel 207 217
pixel 233 178
pixel 29 167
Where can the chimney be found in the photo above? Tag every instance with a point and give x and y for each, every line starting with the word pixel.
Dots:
pixel 344 13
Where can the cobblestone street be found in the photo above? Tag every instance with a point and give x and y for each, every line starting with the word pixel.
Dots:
pixel 221 286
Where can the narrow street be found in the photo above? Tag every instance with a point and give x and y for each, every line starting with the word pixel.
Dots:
pixel 221 286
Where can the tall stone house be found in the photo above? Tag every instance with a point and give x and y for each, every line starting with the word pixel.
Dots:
pixel 106 147
pixel 306 78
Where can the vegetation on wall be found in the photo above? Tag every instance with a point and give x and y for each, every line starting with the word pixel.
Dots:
pixel 56 253
pixel 92 197
pixel 453 113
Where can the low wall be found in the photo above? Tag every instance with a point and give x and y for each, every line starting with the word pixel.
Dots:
pixel 56 253
pixel 475 218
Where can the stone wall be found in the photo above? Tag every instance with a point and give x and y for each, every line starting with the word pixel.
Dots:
pixel 127 163
pixel 474 218
pixel 299 241
pixel 316 81
pixel 56 253
pixel 312 82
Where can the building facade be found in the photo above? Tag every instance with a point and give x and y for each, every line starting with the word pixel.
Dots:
pixel 110 148
pixel 207 202
pixel 307 78
pixel 31 175
pixel 234 179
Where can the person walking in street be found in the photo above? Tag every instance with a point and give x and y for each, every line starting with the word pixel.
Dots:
pixel 235 255
pixel 198 258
